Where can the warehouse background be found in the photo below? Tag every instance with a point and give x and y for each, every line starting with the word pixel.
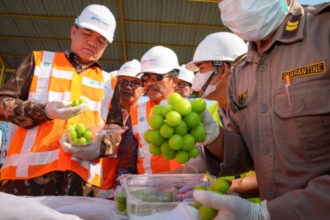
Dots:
pixel 27 25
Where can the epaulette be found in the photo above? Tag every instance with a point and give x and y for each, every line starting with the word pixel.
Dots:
pixel 324 7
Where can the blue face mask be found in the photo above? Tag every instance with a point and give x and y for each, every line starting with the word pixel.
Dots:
pixel 253 20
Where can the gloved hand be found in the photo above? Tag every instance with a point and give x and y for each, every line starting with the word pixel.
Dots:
pixel 186 192
pixel 232 207
pixel 89 151
pixel 63 109
pixel 211 126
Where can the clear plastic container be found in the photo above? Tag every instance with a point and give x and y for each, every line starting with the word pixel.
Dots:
pixel 151 196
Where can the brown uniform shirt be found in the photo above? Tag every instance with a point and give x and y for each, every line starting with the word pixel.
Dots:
pixel 284 131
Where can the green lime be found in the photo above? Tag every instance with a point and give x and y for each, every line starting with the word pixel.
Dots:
pixel 188 142
pixel 196 205
pixel 121 207
pixel 173 118
pixel 175 142
pixel 155 121
pixel 199 132
pixel 221 186
pixel 80 131
pixel 181 129
pixel 75 103
pixel 200 187
pixel 70 127
pixel 169 156
pixel 156 138
pixel 154 150
pixel 121 198
pixel 88 135
pixel 198 105
pixel 81 101
pixel 192 119
pixel 157 110
pixel 166 150
pixel 182 106
pixel 73 134
pixel 206 213
pixel 167 109
pixel 173 98
pixel 82 140
pixel 166 131
pixel 194 152
pixel 146 136
pixel 182 156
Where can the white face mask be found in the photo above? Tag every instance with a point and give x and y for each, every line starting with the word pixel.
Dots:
pixel 199 80
pixel 253 20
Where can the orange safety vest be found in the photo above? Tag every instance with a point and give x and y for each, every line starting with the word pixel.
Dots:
pixel 147 163
pixel 36 151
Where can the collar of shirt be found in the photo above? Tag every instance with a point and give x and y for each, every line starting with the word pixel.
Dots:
pixel 78 64
pixel 281 34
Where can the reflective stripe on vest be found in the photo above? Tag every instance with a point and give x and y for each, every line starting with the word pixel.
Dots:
pixel 36 151
pixel 139 129
pixel 109 82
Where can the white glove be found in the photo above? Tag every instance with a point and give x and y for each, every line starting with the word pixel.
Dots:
pixel 211 126
pixel 88 151
pixel 63 109
pixel 232 207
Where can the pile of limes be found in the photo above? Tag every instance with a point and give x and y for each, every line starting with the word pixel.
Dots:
pixel 77 102
pixel 79 134
pixel 121 202
pixel 175 128
pixel 220 186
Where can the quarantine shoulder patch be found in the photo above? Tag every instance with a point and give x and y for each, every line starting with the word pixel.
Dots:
pixel 309 70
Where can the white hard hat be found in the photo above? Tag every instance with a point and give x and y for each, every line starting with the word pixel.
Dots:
pixel 159 60
pixel 220 46
pixel 186 75
pixel 98 18
pixel 130 68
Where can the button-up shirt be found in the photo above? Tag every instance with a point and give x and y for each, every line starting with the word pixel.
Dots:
pixel 279 111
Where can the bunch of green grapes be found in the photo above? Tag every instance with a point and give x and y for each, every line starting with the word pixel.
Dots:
pixel 175 128
pixel 79 134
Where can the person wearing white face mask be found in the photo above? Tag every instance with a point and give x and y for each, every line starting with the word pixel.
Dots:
pixel 279 112
pixel 213 59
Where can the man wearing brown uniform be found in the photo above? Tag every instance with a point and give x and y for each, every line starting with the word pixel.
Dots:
pixel 279 112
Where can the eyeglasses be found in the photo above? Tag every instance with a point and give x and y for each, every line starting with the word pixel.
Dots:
pixel 181 85
pixel 158 77
pixel 133 84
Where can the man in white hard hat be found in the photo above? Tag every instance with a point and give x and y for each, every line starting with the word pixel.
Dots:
pixel 185 80
pixel 212 60
pixel 278 110
pixel 159 74
pixel 37 98
pixel 130 90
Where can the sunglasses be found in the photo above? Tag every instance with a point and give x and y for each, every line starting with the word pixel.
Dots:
pixel 132 84
pixel 181 85
pixel 157 77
